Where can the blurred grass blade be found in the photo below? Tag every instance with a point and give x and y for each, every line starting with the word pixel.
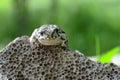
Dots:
pixel 107 57
pixel 97 40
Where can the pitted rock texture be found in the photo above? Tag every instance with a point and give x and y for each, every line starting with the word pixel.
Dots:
pixel 20 61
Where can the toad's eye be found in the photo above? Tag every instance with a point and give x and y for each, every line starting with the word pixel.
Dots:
pixel 42 33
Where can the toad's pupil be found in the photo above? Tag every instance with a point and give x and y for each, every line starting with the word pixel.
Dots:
pixel 41 33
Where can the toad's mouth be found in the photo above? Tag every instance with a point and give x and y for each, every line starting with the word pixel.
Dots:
pixel 50 42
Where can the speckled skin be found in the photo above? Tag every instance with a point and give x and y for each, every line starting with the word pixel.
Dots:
pixel 19 60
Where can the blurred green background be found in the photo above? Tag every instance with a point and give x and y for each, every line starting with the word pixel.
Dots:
pixel 92 26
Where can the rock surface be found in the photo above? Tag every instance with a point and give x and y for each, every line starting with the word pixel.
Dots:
pixel 20 61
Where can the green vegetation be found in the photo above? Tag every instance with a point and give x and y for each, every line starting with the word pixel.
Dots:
pixel 91 26
pixel 107 57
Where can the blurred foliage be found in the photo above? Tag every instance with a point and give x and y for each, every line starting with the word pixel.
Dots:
pixel 82 20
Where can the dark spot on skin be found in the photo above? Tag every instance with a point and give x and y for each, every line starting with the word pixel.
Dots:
pixel 52 34
pixel 63 47
pixel 56 30
pixel 66 42
pixel 62 38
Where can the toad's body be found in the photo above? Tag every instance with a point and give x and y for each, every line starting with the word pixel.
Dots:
pixel 46 56
pixel 49 35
